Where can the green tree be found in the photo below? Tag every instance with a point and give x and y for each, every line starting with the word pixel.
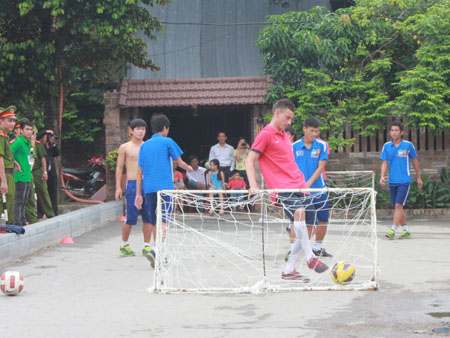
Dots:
pixel 357 65
pixel 424 89
pixel 54 47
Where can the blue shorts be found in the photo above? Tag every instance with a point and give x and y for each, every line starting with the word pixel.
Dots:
pixel 152 200
pixel 291 201
pixel 132 211
pixel 399 193
pixel 319 210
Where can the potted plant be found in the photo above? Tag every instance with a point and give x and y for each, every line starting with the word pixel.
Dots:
pixel 111 164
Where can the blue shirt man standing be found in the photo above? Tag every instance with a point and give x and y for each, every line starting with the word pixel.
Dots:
pixel 311 156
pixel 398 155
pixel 155 172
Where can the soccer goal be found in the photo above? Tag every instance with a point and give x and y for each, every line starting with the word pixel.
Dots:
pixel 227 245
pixel 350 179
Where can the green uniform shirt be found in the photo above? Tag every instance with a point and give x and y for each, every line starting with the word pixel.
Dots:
pixel 39 153
pixel 21 151
pixel 5 152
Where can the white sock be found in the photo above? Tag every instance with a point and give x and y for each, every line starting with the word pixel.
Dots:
pixel 405 227
pixel 301 245
pixel 317 246
pixel 296 251
pixel 302 233
pixel 146 244
pixel 394 227
pixel 122 243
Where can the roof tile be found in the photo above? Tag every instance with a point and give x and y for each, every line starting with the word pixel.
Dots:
pixel 186 92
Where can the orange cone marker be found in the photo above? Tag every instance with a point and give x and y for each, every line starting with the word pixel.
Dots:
pixel 67 240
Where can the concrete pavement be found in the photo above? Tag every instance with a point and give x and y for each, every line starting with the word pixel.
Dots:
pixel 87 290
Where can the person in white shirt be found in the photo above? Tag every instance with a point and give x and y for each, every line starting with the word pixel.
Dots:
pixel 223 152
pixel 196 178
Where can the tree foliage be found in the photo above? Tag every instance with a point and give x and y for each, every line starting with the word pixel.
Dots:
pixel 83 44
pixel 358 65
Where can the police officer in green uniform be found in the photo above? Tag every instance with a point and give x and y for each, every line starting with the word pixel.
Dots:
pixel 30 207
pixel 40 176
pixel 7 187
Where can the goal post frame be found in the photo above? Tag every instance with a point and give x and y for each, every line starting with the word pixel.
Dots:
pixel 263 286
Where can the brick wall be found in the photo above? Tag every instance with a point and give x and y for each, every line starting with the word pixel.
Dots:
pixel 431 162
pixel 111 121
pixel 116 131
pixel 113 134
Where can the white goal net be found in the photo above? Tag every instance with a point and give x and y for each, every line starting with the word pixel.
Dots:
pixel 222 244
pixel 350 179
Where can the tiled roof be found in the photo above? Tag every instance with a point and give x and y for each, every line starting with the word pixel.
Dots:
pixel 186 92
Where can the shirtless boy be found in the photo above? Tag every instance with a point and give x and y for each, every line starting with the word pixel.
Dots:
pixel 128 155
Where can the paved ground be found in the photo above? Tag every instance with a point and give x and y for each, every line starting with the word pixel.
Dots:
pixel 86 290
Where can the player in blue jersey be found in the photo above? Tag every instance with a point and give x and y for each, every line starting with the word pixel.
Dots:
pixel 398 155
pixel 311 156
pixel 155 173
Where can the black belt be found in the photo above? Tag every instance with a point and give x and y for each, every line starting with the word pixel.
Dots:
pixel 9 170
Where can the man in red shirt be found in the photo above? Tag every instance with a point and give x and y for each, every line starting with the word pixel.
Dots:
pixel 273 150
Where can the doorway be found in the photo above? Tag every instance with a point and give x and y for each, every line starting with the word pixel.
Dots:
pixel 195 129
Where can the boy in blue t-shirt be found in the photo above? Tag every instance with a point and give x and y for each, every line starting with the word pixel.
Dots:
pixel 397 154
pixel 311 156
pixel 155 172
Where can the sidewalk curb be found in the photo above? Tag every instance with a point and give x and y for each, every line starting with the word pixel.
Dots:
pixel 434 213
pixel 51 231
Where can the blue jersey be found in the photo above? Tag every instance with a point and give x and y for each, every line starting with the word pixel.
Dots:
pixel 155 159
pixel 398 158
pixel 307 160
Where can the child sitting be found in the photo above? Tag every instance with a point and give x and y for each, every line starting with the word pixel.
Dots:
pixel 237 183
pixel 216 179
pixel 177 177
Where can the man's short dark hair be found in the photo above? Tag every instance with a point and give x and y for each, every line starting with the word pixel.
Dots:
pixel 283 104
pixel 25 123
pixel 158 122
pixel 41 134
pixel 311 122
pixel 192 157
pixel 138 123
pixel 290 130
pixel 235 172
pixel 398 124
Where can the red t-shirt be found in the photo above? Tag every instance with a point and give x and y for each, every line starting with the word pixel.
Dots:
pixel 234 184
pixel 277 161
pixel 177 176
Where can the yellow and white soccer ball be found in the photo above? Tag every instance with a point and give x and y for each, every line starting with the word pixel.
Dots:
pixel 343 273
pixel 11 283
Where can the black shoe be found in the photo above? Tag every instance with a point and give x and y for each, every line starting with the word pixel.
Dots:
pixel 321 253
pixel 151 256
